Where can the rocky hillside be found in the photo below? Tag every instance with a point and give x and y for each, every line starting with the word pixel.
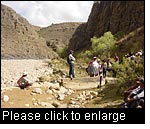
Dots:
pixel 119 17
pixel 19 39
pixel 58 35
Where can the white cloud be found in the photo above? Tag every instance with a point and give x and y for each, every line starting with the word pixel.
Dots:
pixel 44 13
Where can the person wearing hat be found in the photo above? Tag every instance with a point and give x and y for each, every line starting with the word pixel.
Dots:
pixel 23 82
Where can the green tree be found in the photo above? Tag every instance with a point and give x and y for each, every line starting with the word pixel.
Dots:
pixel 103 46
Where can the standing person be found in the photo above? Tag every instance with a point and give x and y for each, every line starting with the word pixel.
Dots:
pixel 109 65
pixel 93 68
pixel 116 58
pixel 100 75
pixel 104 68
pixel 23 82
pixel 70 61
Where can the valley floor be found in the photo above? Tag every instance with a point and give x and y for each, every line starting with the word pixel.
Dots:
pixel 81 92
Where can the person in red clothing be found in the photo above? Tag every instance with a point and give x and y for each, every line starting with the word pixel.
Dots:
pixel 116 58
pixel 23 82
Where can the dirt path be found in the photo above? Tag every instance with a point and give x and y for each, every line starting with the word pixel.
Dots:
pixel 10 71
pixel 84 82
pixel 24 98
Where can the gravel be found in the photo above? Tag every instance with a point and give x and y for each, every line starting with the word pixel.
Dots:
pixel 11 70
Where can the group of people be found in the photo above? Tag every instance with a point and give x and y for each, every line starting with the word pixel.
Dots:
pixel 134 95
pixel 96 68
pixel 134 56
pixel 23 82
pixel 93 68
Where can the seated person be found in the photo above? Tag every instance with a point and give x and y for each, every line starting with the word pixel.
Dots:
pixel 136 97
pixel 23 82
pixel 130 89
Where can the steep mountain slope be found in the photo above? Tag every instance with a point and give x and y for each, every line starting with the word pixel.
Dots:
pixel 58 35
pixel 19 39
pixel 119 17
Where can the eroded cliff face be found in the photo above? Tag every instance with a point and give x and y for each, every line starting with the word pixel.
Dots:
pixel 115 16
pixel 58 35
pixel 19 39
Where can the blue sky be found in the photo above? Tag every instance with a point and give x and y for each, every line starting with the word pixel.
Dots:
pixel 44 13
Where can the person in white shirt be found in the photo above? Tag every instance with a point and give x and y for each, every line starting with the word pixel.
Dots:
pixel 71 60
pixel 93 68
pixel 136 97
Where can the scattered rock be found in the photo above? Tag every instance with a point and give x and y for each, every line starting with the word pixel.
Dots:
pixel 55 95
pixel 35 84
pixel 94 93
pixel 35 103
pixel 44 78
pixel 73 106
pixel 61 97
pixel 5 98
pixel 70 92
pixel 33 93
pixel 37 91
pixel 49 92
pixel 55 91
pixel 63 106
pixel 47 84
pixel 56 87
pixel 49 98
pixel 89 97
pixel 72 102
pixel 45 104
pixel 54 81
pixel 63 90
pixel 56 104
pixel 33 99
pixel 27 105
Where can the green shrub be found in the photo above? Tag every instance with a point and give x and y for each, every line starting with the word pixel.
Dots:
pixel 119 34
pixel 128 71
pixel 103 46
pixel 62 52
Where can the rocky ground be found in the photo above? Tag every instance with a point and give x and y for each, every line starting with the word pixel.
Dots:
pixel 11 70
pixel 76 93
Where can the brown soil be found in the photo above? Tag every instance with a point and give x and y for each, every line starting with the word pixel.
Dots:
pixel 18 98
